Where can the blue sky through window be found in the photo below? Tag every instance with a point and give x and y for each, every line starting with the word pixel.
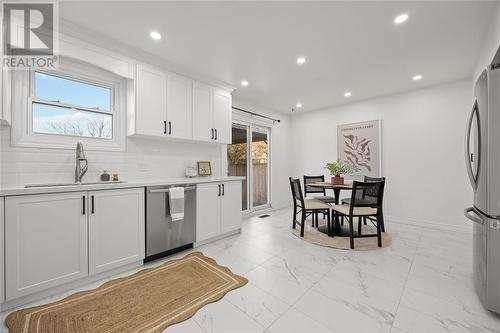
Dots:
pixel 54 88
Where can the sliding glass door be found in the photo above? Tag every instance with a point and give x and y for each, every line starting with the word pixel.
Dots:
pixel 249 156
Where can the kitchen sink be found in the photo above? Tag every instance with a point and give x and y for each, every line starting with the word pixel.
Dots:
pixel 74 184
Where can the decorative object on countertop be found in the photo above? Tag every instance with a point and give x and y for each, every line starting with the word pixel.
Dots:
pixel 115 177
pixel 191 172
pixel 105 177
pixel 204 168
pixel 149 300
pixel 339 168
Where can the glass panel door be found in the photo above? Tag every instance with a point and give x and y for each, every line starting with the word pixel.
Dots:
pixel 237 159
pixel 260 167
pixel 249 156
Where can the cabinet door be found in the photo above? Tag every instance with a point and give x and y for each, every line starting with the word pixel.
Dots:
pixel 222 103
pixel 150 113
pixel 2 267
pixel 45 241
pixel 231 206
pixel 179 107
pixel 207 211
pixel 116 228
pixel 202 112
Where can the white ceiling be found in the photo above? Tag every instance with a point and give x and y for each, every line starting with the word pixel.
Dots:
pixel 351 46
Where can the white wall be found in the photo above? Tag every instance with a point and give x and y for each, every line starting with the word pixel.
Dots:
pixel 422 150
pixel 280 152
pixel 491 42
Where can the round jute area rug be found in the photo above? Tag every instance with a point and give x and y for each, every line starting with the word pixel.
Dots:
pixel 312 235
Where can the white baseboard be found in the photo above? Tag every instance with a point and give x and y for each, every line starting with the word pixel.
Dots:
pixel 465 227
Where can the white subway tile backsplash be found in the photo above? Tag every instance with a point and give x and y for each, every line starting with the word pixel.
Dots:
pixel 143 159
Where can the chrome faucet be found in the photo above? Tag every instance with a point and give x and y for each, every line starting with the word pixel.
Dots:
pixel 80 157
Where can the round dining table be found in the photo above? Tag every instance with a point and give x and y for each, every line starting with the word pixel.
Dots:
pixel 337 229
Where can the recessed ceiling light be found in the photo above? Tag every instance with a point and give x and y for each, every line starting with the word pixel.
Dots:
pixel 417 77
pixel 244 83
pixel 301 60
pixel 298 105
pixel 155 35
pixel 401 18
pixel 347 94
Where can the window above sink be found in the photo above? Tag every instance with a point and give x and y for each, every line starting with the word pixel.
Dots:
pixel 77 101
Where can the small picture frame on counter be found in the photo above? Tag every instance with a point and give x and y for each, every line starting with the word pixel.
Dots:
pixel 204 168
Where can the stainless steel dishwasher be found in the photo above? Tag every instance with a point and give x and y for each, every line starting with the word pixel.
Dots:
pixel 164 236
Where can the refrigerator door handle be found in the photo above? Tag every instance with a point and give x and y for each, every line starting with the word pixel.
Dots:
pixel 468 156
pixel 475 217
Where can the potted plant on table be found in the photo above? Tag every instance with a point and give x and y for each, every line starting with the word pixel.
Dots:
pixel 338 168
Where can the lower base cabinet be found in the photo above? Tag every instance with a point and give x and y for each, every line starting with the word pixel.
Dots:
pixel 116 229
pixel 218 209
pixel 45 241
pixel 52 239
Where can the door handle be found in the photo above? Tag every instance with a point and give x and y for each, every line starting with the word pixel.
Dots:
pixel 92 204
pixel 469 156
pixel 216 134
pixel 83 205
pixel 473 217
pixel 164 127
pixel 218 194
pixel 169 127
pixel 212 133
pixel 222 189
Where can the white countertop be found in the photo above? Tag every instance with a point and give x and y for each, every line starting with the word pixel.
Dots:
pixel 8 191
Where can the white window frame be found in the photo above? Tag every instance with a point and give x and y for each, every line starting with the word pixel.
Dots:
pixel 23 98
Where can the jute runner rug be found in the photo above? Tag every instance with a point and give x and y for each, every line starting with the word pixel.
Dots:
pixel 147 301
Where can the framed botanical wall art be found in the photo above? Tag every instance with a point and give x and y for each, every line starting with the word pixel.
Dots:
pixel 204 168
pixel 359 144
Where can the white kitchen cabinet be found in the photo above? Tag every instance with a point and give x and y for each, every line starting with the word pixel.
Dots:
pixel 207 211
pixel 218 209
pixel 222 115
pixel 231 206
pixel 212 113
pixel 168 105
pixel 2 257
pixel 203 129
pixel 45 241
pixel 116 228
pixel 179 107
pixel 149 112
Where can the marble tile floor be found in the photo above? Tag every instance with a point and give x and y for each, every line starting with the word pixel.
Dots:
pixel 422 283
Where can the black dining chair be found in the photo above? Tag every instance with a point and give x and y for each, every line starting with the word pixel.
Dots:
pixel 359 207
pixel 308 189
pixel 306 207
pixel 370 198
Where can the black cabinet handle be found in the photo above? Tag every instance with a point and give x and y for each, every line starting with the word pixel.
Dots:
pixel 92 204
pixel 83 205
pixel 216 134
pixel 164 127
pixel 218 194
pixel 169 127
pixel 222 189
pixel 212 133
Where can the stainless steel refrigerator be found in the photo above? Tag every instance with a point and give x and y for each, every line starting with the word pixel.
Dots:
pixel 482 149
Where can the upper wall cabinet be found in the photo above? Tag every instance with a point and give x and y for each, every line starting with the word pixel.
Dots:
pixel 168 105
pixel 150 102
pixel 212 114
pixel 179 107
pixel 222 103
